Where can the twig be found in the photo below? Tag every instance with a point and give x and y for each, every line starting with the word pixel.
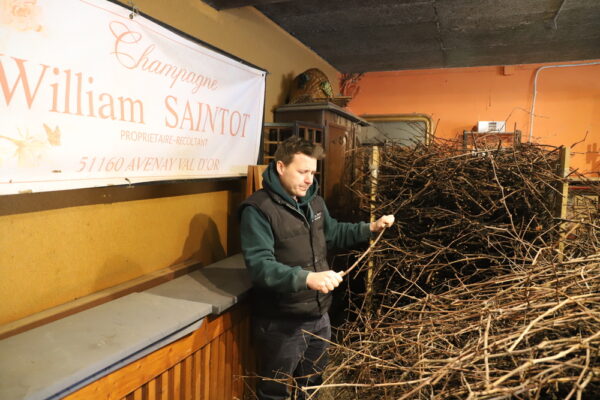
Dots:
pixel 346 272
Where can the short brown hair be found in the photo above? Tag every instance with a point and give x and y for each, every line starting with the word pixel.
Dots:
pixel 294 145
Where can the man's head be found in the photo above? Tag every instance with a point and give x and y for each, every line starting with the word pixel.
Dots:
pixel 296 163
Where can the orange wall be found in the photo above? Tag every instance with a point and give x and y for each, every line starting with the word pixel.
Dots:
pixel 567 104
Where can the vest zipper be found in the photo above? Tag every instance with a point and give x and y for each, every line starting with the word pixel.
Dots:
pixel 310 233
pixel 312 249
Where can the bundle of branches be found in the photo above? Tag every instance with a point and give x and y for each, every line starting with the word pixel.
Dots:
pixel 463 215
pixel 534 333
pixel 472 297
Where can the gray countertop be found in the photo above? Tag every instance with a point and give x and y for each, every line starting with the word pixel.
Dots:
pixel 58 358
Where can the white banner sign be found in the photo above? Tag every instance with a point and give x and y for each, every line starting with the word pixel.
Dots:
pixel 90 97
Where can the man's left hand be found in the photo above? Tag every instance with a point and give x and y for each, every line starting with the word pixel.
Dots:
pixel 384 222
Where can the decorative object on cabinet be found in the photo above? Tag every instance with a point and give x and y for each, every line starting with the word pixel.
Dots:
pixel 313 86
pixel 349 84
pixel 310 85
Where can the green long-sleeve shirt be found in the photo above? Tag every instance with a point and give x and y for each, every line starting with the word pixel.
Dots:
pixel 258 242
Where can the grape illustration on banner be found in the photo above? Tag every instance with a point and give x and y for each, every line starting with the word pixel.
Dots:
pixel 53 135
pixel 30 149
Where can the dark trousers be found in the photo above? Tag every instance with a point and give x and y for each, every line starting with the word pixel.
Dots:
pixel 284 351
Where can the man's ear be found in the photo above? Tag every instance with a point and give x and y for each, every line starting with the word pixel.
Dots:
pixel 280 167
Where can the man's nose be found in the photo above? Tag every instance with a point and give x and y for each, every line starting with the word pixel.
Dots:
pixel 308 179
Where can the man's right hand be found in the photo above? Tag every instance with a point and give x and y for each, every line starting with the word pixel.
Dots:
pixel 324 281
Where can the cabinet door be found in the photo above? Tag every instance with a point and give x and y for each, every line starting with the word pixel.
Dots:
pixel 338 141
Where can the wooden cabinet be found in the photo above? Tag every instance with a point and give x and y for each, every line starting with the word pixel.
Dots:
pixel 340 130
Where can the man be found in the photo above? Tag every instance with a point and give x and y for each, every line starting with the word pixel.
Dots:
pixel 285 232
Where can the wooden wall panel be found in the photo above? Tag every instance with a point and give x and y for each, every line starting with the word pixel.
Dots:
pixel 52 257
pixel 204 365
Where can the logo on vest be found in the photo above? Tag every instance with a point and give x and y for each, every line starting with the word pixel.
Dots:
pixel 317 216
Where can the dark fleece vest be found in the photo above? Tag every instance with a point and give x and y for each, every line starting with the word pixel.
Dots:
pixel 298 242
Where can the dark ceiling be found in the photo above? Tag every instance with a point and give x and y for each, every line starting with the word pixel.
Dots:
pixel 384 35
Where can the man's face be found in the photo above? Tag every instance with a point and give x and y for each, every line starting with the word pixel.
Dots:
pixel 297 176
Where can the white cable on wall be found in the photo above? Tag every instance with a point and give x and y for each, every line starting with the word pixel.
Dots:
pixel 535 88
